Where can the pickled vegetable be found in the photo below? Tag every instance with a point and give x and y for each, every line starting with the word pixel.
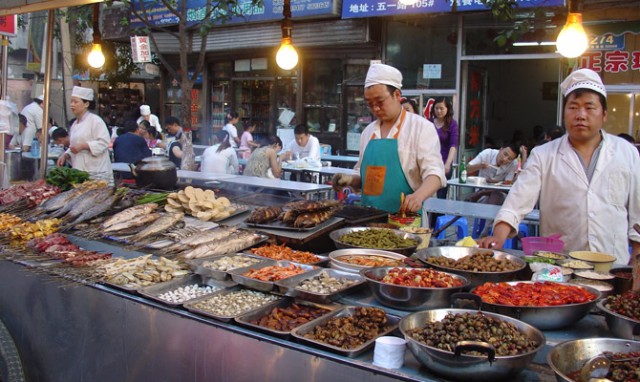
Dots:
pixel 377 238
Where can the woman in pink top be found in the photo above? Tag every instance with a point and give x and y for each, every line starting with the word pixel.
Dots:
pixel 246 142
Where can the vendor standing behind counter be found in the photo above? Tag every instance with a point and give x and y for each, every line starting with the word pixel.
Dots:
pixel 88 138
pixel 587 182
pixel 399 152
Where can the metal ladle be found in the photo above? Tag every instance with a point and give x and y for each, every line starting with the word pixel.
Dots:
pixel 595 367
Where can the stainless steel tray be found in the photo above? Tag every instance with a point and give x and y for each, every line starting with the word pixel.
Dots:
pixel 153 291
pixel 300 331
pixel 246 319
pixel 265 286
pixel 277 224
pixel 323 259
pixel 196 265
pixel 288 286
pixel 190 306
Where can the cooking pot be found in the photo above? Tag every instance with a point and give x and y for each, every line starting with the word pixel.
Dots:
pixel 545 317
pixel 155 172
pixel 620 326
pixel 462 366
pixel 13 159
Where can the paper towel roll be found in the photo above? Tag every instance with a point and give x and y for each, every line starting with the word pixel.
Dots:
pixel 389 352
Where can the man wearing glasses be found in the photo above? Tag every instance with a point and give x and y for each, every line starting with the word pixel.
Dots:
pixel 399 152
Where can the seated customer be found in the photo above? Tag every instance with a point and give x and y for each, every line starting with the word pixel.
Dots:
pixel 264 161
pixel 130 146
pixel 60 137
pixel 304 145
pixel 220 158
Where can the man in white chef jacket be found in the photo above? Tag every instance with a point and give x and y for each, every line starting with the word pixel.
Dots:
pixel 145 115
pixel 587 182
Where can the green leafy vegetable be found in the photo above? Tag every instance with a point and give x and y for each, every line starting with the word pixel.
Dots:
pixel 65 177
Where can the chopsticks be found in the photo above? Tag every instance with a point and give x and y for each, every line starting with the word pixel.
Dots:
pixel 402 210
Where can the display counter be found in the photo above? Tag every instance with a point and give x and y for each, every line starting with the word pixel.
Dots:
pixel 66 331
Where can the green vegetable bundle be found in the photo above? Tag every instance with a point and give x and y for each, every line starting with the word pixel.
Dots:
pixel 65 177
pixel 158 198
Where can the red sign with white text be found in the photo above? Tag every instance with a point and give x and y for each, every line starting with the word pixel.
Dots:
pixel 9 25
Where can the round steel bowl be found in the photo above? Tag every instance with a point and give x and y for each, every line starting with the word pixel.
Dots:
pixel 467 367
pixel 570 356
pixel 475 278
pixel 407 251
pixel 620 326
pixel 620 283
pixel 545 317
pixel 409 298
pixel 334 258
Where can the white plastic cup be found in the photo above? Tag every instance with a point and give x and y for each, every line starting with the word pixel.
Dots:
pixel 389 352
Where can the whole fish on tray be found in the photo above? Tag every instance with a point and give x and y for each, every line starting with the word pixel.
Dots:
pixel 264 214
pixel 165 222
pixel 234 243
pixel 129 214
pixel 99 207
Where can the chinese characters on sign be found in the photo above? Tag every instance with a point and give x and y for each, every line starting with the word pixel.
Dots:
pixel 8 25
pixel 611 62
pixel 140 49
pixel 474 109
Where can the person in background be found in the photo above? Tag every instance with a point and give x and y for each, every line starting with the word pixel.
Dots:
pixel 399 152
pixel 174 137
pixel 552 133
pixel 145 115
pixel 130 146
pixel 409 105
pixel 34 112
pixel 247 143
pixel 88 138
pixel 18 141
pixel 230 127
pixel 151 135
pixel 447 128
pixel 220 158
pixel 303 145
pixel 264 161
pixel 586 182
pixel 495 165
pixel 60 137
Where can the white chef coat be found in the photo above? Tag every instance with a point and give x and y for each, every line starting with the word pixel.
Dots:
pixel 91 129
pixel 233 134
pixel 223 162
pixel 23 139
pixel 596 216
pixel 153 121
pixel 310 150
pixel 490 156
pixel 418 149
pixel 34 113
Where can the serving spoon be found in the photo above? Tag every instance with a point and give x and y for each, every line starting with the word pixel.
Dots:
pixel 595 367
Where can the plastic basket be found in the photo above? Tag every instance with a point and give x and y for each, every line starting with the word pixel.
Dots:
pixel 533 243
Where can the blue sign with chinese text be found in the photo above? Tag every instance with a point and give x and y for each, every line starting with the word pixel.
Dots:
pixel 375 8
pixel 271 10
pixel 607 41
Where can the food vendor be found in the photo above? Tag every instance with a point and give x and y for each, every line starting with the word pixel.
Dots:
pixel 88 138
pixel 399 152
pixel 586 182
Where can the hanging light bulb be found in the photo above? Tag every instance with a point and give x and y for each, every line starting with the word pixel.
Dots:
pixel 572 40
pixel 96 57
pixel 287 57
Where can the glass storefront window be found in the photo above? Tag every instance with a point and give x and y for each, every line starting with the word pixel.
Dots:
pixel 323 89
pixel 416 42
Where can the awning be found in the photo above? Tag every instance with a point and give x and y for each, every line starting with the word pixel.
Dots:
pixel 12 7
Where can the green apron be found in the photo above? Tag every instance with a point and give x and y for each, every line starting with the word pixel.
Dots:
pixel 387 181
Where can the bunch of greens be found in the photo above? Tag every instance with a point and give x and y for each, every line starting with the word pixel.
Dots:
pixel 65 177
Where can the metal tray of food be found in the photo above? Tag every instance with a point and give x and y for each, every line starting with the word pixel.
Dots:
pixel 248 319
pixel 322 259
pixel 222 274
pixel 277 224
pixel 154 292
pixel 227 309
pixel 289 286
pixel 300 331
pixel 266 286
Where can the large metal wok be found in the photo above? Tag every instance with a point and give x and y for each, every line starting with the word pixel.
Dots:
pixel 621 326
pixel 467 367
pixel 475 278
pixel 545 317
pixel 570 356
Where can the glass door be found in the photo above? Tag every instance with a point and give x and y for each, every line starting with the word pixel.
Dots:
pixel 252 101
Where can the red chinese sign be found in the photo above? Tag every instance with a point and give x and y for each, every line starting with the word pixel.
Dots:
pixel 9 25
pixel 140 49
pixel 474 109
pixel 611 62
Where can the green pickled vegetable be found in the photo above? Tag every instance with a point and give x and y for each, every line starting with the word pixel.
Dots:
pixel 377 238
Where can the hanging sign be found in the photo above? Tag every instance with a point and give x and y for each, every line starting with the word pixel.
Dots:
pixel 9 25
pixel 140 49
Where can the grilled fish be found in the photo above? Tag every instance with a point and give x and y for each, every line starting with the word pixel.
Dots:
pixel 89 200
pixel 309 205
pixel 289 217
pixel 234 243
pixel 208 236
pixel 312 219
pixel 128 214
pixel 264 214
pixel 166 221
pixel 97 209
pixel 137 221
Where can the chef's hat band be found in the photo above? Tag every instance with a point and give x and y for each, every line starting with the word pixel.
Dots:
pixel 583 79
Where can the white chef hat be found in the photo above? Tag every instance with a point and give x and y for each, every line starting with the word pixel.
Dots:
pixel 383 74
pixel 40 97
pixel 145 110
pixel 84 93
pixel 583 79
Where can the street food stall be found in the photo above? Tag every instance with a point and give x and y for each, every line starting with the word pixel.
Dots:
pixel 133 284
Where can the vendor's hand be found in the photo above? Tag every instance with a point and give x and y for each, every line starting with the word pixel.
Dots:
pixel 484 165
pixel 79 147
pixel 340 181
pixel 490 242
pixel 523 151
pixel 61 160
pixel 412 203
pixel 447 168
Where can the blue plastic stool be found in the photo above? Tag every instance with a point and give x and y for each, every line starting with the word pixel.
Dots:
pixel 353 199
pixel 463 226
